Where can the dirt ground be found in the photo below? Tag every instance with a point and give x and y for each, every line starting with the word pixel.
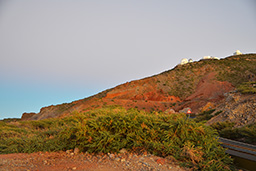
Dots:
pixel 70 160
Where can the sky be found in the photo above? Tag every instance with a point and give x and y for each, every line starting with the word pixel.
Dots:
pixel 54 52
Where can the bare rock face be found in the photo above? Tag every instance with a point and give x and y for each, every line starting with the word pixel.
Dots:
pixel 237 108
pixel 27 116
pixel 208 106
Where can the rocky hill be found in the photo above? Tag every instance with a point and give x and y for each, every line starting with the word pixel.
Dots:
pixel 237 108
pixel 198 85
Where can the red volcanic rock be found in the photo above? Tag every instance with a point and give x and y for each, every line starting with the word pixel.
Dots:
pixel 116 95
pixel 161 161
pixel 210 89
pixel 27 116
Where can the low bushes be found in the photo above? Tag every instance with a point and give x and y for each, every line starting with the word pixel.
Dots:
pixel 247 87
pixel 244 134
pixel 111 129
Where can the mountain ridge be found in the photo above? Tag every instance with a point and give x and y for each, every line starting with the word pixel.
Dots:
pixel 191 85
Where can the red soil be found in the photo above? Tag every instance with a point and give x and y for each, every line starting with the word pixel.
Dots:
pixel 208 90
pixel 56 161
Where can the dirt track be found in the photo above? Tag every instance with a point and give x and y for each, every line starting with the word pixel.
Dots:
pixel 65 161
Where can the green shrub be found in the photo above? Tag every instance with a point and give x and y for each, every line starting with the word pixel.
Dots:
pixel 247 87
pixel 219 126
pixel 113 128
pixel 245 134
pixel 204 116
pixel 192 143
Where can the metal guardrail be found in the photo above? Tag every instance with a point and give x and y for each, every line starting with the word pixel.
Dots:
pixel 239 149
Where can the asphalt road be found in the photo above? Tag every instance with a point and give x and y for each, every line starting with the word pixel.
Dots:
pixel 243 150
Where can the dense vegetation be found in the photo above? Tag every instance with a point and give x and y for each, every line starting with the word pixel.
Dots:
pixel 110 129
pixel 245 134
pixel 247 87
pixel 227 130
pixel 206 115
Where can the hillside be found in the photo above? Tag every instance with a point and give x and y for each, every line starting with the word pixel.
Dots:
pixel 191 85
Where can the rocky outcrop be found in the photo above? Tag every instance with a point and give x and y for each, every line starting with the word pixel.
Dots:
pixel 27 116
pixel 237 108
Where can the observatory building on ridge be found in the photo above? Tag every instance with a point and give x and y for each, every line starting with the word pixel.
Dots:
pixel 237 52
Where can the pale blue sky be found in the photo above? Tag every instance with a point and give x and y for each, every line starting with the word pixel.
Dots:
pixel 54 51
